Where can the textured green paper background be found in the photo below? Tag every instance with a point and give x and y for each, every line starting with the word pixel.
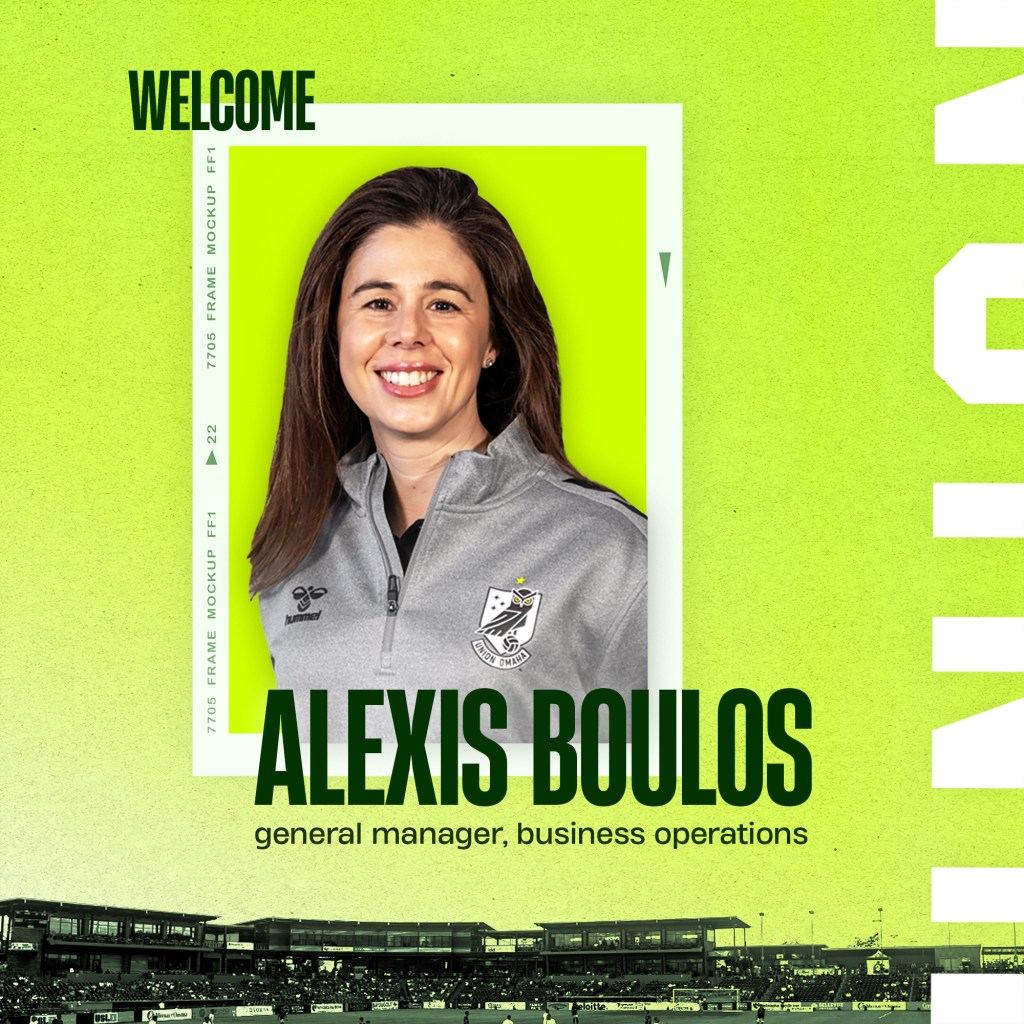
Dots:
pixel 586 249
pixel 815 220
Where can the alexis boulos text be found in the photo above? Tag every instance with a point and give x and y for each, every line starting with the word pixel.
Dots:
pixel 751 752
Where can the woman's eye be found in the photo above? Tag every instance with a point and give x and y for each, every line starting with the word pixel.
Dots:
pixel 379 304
pixel 444 306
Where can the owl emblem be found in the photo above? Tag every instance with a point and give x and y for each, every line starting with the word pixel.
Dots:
pixel 507 624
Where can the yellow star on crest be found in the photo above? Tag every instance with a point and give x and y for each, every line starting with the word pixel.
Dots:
pixel 520 579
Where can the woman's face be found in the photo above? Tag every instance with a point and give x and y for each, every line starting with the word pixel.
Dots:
pixel 414 334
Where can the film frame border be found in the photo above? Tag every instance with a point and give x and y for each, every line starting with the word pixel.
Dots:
pixel 657 128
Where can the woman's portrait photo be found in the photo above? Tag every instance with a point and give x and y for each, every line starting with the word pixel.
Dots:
pixel 432 391
pixel 424 526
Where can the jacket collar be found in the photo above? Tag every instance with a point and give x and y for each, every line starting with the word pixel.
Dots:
pixel 470 480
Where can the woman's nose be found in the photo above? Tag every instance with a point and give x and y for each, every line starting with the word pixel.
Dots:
pixel 409 328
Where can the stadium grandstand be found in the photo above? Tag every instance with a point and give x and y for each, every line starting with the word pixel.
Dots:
pixel 105 965
pixel 40 937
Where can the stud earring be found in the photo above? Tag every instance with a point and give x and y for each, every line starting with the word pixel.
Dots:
pixel 488 364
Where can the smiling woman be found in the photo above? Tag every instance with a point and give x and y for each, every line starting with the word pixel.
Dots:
pixel 423 526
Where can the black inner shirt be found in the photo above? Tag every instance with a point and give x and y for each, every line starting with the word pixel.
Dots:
pixel 407 542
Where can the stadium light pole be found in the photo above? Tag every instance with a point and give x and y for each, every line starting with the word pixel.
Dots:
pixel 811 912
pixel 881 938
pixel 761 914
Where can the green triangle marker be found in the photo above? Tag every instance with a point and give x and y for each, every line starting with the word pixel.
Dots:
pixel 211 461
pixel 665 257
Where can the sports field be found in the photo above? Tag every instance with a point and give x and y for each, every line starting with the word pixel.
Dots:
pixel 419 1016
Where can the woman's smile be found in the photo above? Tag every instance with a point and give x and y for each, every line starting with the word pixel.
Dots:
pixel 408 380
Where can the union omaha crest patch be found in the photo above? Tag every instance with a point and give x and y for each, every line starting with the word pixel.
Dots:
pixel 506 626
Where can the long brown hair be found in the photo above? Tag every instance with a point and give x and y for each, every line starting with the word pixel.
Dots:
pixel 319 422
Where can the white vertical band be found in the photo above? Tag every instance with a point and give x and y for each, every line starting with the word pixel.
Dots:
pixel 972 998
pixel 978 644
pixel 983 127
pixel 978 894
pixel 978 510
pixel 979 22
pixel 983 751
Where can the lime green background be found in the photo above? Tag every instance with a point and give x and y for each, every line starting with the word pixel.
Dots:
pixel 587 255
pixel 815 220
pixel 1004 323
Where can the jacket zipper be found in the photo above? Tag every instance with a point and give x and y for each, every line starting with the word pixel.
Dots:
pixel 394 583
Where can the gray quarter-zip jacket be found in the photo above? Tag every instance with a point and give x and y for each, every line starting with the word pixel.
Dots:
pixel 521 579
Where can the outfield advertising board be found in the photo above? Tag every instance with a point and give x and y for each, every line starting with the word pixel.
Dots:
pixel 590 1005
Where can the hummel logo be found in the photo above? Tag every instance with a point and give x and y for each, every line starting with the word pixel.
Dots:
pixel 305 596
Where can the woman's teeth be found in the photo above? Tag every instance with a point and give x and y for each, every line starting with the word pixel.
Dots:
pixel 410 378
